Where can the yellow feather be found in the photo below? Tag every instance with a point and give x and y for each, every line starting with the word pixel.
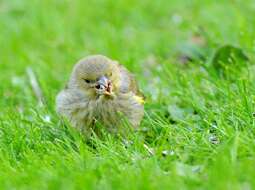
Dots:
pixel 139 99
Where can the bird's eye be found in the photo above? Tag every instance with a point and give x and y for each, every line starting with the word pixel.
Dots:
pixel 87 80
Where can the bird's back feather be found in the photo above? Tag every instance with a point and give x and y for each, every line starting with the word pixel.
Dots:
pixel 128 83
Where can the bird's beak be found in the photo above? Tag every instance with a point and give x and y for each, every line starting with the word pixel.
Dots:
pixel 104 86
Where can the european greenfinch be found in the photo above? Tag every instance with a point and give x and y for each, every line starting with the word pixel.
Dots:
pixel 100 90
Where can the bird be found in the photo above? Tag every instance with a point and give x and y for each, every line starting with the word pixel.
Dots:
pixel 101 90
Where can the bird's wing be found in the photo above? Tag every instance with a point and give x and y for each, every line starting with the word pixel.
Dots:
pixel 128 83
pixel 69 100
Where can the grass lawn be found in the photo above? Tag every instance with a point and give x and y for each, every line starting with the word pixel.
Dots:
pixel 199 128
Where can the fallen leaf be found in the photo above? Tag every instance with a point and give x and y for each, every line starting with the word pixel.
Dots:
pixel 228 56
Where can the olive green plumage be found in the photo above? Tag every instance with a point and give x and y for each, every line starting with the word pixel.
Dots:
pixel 101 90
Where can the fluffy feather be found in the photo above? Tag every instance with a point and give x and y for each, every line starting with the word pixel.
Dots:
pixel 81 103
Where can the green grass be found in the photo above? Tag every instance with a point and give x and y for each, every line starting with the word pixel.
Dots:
pixel 203 121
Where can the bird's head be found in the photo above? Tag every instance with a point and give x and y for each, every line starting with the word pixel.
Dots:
pixel 96 76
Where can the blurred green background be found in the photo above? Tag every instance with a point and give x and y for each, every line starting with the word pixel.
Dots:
pixel 198 131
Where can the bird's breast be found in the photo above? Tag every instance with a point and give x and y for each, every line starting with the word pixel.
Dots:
pixel 111 112
pixel 106 111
